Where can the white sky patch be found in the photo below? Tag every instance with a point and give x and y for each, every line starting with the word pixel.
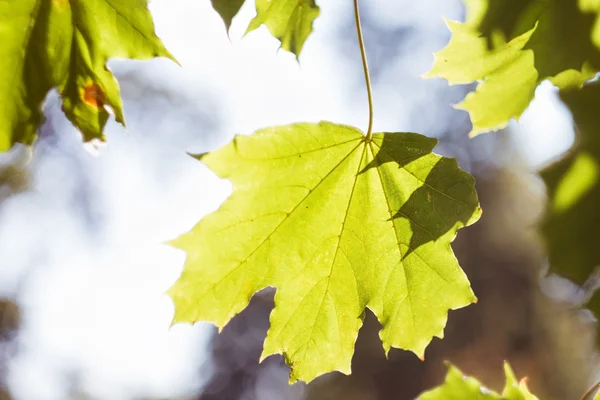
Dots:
pixel 545 129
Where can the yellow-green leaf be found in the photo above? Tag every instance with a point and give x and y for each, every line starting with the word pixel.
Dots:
pixel 460 387
pixel 492 16
pixel 507 73
pixel 290 21
pixel 65 45
pixel 510 47
pixel 336 223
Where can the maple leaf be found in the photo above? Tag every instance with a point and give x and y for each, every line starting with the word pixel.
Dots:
pixel 540 46
pixel 573 185
pixel 290 21
pixel 459 387
pixel 507 72
pixel 336 223
pixel 65 45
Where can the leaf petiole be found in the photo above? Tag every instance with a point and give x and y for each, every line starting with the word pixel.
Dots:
pixel 361 44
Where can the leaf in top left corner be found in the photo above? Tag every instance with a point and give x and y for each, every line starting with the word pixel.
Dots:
pixel 65 44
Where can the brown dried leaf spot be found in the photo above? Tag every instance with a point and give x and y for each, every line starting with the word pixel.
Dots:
pixel 93 95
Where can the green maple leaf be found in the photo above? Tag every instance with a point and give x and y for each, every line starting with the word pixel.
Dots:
pixel 573 186
pixel 507 72
pixel 65 45
pixel 541 36
pixel 460 387
pixel 336 223
pixel 290 21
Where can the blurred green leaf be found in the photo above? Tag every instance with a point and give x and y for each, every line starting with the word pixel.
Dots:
pixel 460 387
pixel 335 223
pixel 574 193
pixel 65 45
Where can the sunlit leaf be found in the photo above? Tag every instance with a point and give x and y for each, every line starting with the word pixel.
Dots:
pixel 510 47
pixel 460 387
pixel 507 73
pixel 335 223
pixel 290 21
pixel 65 45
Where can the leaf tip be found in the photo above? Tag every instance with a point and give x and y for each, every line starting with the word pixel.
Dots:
pixel 167 54
pixel 427 75
pixel 198 156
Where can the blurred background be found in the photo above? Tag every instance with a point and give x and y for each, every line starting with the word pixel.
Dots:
pixel 84 267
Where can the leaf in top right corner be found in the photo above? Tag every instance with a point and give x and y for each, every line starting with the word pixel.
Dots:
pixel 458 386
pixel 509 47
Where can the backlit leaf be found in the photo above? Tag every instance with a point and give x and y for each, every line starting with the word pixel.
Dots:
pixel 510 47
pixel 460 387
pixel 290 21
pixel 335 223
pixel 507 73
pixel 65 45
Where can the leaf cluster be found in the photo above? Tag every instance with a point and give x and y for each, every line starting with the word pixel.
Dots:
pixel 336 221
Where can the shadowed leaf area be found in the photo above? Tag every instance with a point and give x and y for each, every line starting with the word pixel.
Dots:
pixel 66 45
pixel 574 193
pixel 512 51
pixel 460 387
pixel 335 223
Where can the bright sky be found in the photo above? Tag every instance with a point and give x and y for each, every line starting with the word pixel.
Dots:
pixel 93 302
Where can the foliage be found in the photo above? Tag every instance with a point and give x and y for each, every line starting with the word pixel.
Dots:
pixel 290 21
pixel 574 191
pixel 460 387
pixel 511 46
pixel 65 45
pixel 336 222
pixel 525 44
pixel 509 79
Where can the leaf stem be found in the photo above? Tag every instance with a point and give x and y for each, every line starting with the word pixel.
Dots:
pixel 590 391
pixel 361 44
